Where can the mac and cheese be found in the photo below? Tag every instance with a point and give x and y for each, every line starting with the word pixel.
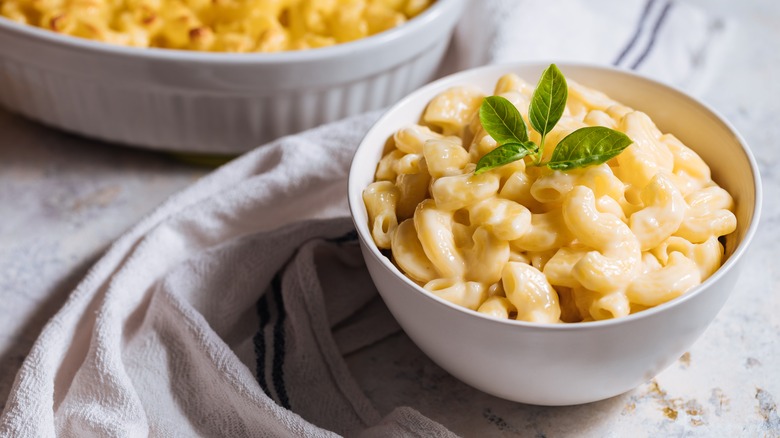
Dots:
pixel 529 243
pixel 216 25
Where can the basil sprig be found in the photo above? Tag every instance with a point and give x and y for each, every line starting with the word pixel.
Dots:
pixel 502 120
pixel 587 146
pixel 583 147
pixel 548 101
pixel 507 153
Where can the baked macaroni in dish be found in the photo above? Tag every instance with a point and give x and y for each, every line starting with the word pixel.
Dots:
pixel 216 25
pixel 529 243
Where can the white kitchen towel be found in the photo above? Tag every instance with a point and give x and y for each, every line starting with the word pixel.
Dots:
pixel 228 310
pixel 672 41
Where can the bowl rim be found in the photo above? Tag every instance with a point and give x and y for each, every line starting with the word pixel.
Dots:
pixel 355 198
pixel 435 12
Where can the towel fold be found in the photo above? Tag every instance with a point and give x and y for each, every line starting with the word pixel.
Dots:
pixel 228 310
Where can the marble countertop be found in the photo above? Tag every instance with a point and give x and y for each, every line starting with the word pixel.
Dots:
pixel 64 199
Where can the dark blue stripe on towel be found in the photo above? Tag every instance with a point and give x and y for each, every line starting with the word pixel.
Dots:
pixel 279 344
pixel 259 341
pixel 350 236
pixel 653 36
pixel 640 26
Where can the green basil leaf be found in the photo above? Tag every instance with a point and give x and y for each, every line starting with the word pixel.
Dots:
pixel 502 120
pixel 588 146
pixel 504 154
pixel 548 100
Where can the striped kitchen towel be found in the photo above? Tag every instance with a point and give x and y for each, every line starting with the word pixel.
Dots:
pixel 672 41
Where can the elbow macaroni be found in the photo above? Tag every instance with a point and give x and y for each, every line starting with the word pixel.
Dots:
pixel 216 25
pixel 528 243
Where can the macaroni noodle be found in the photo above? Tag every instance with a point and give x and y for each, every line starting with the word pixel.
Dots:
pixel 216 25
pixel 529 243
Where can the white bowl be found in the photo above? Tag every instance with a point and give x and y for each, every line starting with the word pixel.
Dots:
pixel 566 363
pixel 215 103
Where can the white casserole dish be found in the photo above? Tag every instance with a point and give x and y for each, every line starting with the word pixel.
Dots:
pixel 212 103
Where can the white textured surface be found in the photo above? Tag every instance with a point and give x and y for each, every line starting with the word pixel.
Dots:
pixel 64 199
